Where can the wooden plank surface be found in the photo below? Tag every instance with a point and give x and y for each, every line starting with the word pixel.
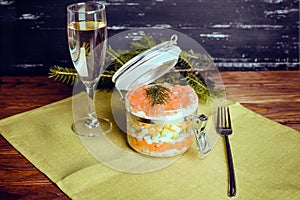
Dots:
pixel 239 35
pixel 19 179
pixel 274 94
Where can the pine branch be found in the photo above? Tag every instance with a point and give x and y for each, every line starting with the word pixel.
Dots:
pixel 199 86
pixel 189 65
pixel 114 55
pixel 68 75
pixel 145 43
pixel 63 74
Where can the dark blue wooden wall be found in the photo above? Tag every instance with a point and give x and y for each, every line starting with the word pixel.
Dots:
pixel 238 34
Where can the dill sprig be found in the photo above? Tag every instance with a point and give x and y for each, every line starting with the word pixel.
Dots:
pixel 158 94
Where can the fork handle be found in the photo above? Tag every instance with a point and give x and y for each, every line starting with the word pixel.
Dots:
pixel 232 185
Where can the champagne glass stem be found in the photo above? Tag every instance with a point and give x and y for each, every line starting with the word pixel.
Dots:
pixel 92 121
pixel 87 34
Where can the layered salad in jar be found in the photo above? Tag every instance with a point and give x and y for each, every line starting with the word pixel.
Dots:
pixel 158 119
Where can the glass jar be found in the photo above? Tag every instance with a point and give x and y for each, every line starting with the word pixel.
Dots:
pixel 161 130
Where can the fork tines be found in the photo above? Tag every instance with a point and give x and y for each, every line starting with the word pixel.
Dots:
pixel 224 128
pixel 224 121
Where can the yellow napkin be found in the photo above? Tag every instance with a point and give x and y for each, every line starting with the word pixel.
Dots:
pixel 265 153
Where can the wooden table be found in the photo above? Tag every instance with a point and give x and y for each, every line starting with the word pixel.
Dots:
pixel 273 94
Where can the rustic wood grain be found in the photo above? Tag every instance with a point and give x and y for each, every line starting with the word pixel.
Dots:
pixel 274 94
pixel 239 35
pixel 19 179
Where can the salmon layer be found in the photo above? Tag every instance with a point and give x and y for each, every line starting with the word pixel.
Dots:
pixel 161 130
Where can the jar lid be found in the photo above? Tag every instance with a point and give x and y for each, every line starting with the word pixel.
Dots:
pixel 148 66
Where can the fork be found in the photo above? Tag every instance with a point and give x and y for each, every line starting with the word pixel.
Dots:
pixel 224 128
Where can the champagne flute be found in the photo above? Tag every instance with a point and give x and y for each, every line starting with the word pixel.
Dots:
pixel 87 38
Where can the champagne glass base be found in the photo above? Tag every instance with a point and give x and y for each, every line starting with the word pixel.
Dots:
pixel 82 127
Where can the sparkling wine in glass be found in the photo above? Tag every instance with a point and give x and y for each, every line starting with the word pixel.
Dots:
pixel 87 38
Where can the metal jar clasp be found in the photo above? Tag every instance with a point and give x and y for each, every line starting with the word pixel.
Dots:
pixel 202 141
